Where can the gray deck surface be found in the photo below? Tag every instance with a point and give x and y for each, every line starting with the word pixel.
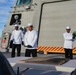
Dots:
pixel 43 72
pixel 71 63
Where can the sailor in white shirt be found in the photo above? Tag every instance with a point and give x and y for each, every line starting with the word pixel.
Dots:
pixel 30 41
pixel 68 43
pixel 17 36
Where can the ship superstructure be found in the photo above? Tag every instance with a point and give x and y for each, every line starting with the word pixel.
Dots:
pixel 49 17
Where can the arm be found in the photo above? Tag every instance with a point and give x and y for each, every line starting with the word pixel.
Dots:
pixel 34 39
pixel 67 37
pixel 12 36
pixel 22 35
pixel 25 39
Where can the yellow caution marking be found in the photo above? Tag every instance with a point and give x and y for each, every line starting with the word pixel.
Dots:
pixel 52 49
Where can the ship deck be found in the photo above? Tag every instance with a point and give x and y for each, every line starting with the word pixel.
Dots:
pixel 50 64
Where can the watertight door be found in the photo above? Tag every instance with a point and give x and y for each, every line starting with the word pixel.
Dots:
pixel 55 17
pixel 5 40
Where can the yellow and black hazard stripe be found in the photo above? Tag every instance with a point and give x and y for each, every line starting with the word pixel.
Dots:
pixel 52 49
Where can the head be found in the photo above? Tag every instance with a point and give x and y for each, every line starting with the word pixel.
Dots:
pixel 16 27
pixel 30 27
pixel 68 29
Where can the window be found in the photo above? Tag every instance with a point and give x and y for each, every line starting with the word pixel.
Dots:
pixel 20 2
pixel 16 18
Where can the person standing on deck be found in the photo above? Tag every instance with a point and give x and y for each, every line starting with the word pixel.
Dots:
pixel 30 41
pixel 68 45
pixel 16 37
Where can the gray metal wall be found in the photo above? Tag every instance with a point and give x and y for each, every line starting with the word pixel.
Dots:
pixel 56 15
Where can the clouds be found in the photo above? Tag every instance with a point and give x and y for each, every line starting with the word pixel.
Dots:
pixel 7 1
pixel 3 1
pixel 5 7
pixel 4 13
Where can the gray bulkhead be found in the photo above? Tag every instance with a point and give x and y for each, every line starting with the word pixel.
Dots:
pixel 49 17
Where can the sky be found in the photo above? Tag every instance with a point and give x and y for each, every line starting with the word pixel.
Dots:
pixel 5 8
